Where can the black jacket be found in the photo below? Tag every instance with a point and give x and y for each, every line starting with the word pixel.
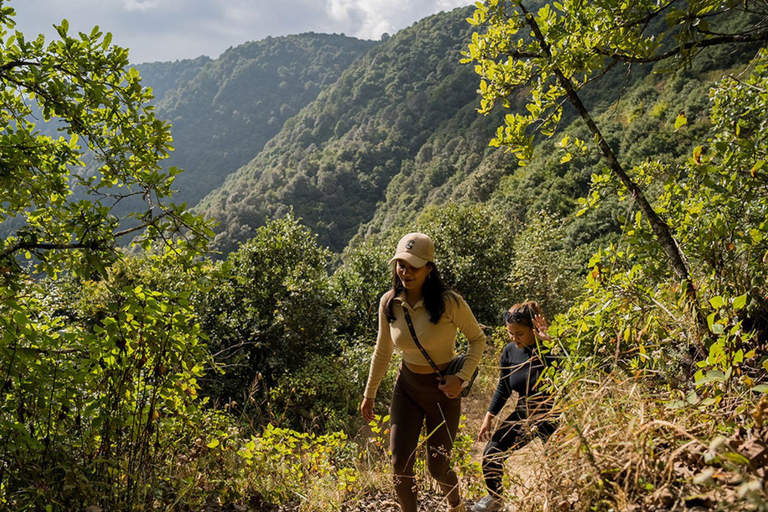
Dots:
pixel 521 369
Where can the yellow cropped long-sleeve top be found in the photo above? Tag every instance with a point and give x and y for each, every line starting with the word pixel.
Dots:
pixel 439 340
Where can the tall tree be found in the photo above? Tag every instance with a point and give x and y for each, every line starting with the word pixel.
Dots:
pixel 82 84
pixel 88 398
pixel 553 53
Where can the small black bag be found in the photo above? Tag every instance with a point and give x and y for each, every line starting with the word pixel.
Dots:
pixel 454 367
pixel 457 363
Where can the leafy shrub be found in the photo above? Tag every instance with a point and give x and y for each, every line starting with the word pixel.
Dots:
pixel 324 394
pixel 92 402
pixel 225 466
pixel 543 268
pixel 267 314
pixel 356 287
pixel 473 247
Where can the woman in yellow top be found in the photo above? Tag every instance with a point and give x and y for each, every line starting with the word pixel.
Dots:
pixel 419 396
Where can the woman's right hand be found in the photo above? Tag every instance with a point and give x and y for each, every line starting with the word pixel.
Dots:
pixel 540 327
pixel 366 409
pixel 485 428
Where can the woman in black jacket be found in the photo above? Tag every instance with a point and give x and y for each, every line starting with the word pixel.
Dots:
pixel 521 368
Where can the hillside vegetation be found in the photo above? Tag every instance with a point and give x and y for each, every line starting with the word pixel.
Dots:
pixel 400 131
pixel 224 111
pixel 333 161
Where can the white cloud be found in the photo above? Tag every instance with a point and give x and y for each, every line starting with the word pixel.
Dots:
pixel 368 19
pixel 180 29
pixel 139 5
pixel 449 5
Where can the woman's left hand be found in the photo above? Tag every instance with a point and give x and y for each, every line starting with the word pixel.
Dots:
pixel 452 386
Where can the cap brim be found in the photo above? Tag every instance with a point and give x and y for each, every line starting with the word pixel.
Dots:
pixel 412 259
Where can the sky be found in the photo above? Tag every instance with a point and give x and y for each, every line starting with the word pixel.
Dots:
pixel 168 30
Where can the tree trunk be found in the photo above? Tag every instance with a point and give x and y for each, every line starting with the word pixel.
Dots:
pixel 675 256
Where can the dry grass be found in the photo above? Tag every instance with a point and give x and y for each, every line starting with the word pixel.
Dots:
pixel 621 447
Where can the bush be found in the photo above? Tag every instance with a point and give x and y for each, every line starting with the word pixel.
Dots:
pixel 98 385
pixel 324 395
pixel 268 312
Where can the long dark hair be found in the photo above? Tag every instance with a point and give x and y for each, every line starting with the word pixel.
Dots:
pixel 523 313
pixel 434 291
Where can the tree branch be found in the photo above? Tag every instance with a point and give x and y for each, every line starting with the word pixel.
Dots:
pixel 23 246
pixel 661 229
pixel 650 16
pixel 523 55
pixel 713 41
pixel 141 226
pixel 17 63
pixel 236 348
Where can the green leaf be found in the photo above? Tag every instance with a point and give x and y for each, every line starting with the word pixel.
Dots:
pixel 675 404
pixel 710 377
pixel 717 302
pixel 63 28
pixel 739 302
pixel 761 388
pixel 20 319
pixel 680 121
pixel 674 17
pixel 759 165
pixel 697 154
pixel 737 458
pixel 711 320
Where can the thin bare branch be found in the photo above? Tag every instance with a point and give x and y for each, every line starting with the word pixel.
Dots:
pixel 141 226
pixel 761 37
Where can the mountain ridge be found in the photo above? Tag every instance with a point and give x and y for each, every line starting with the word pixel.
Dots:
pixel 332 162
pixel 224 110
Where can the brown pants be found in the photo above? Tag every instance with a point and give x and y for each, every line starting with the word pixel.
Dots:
pixel 416 399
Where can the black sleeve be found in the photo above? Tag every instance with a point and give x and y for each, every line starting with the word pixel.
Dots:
pixel 503 391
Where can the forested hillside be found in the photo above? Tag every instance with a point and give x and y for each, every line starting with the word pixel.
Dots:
pixel 333 161
pixel 164 77
pixel 223 111
pixel 400 131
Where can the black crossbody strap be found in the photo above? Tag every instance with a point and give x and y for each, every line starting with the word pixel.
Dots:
pixel 416 340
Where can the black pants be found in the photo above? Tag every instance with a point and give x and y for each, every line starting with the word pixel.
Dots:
pixel 416 401
pixel 510 436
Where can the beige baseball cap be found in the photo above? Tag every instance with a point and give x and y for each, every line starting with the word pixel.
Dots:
pixel 415 248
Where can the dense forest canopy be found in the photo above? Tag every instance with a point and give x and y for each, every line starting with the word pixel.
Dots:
pixel 158 377
pixel 333 161
pixel 224 111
